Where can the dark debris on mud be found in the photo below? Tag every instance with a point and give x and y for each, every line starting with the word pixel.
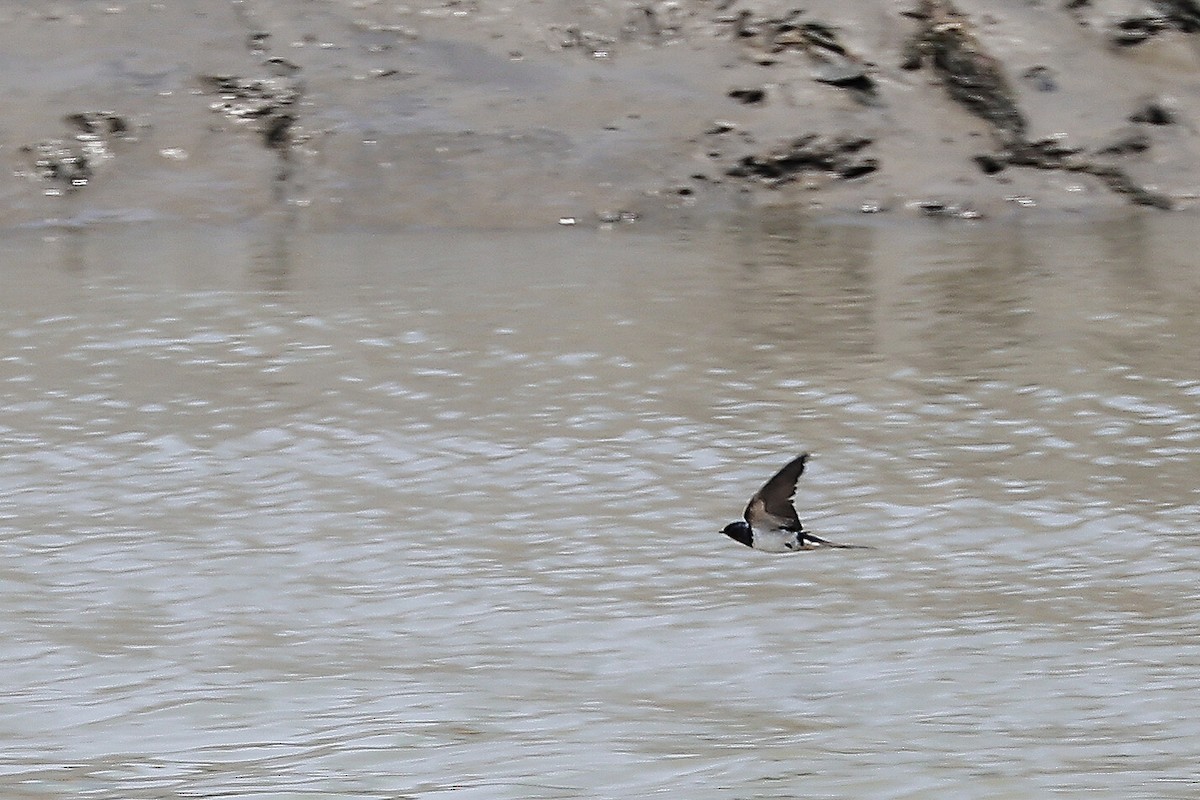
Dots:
pixel 976 80
pixel 945 42
pixel 791 47
pixel 772 41
pixel 971 76
pixel 1142 22
pixel 70 164
pixel 269 103
pixel 839 156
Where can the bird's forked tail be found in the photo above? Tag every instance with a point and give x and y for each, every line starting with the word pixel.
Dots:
pixel 826 543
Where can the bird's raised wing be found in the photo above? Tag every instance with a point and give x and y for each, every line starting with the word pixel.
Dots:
pixel 771 506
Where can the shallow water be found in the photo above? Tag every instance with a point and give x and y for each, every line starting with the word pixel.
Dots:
pixel 290 514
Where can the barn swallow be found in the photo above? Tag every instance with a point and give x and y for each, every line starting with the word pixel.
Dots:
pixel 771 523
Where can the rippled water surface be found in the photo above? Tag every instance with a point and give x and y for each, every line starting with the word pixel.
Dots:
pixel 436 514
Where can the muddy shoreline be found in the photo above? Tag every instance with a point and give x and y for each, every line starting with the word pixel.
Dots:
pixel 464 114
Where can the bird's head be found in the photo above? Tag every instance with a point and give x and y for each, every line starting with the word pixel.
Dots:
pixel 740 532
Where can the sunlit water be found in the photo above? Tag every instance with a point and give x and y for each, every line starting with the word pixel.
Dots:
pixel 295 515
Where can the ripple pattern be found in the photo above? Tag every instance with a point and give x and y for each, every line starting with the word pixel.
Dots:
pixel 458 535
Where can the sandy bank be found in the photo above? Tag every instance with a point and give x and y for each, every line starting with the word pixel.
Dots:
pixel 480 115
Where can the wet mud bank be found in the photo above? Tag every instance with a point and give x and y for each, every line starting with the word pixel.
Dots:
pixel 470 115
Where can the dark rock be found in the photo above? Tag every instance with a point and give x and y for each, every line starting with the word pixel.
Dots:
pixel 71 165
pixel 1185 14
pixel 751 97
pixel 1118 180
pixel 743 26
pixel 1041 78
pixel 911 57
pixel 819 36
pixel 845 74
pixel 989 163
pixel 941 210
pixel 972 77
pixel 257 41
pixel 594 44
pixel 99 123
pixel 1154 112
pixel 269 102
pixel 250 98
pixel 1126 143
pixel 281 67
pixel 1134 30
pixel 839 156
pixel 1051 150
pixel 857 169
pixel 58 162
pixel 1052 154
pixel 277 130
pixel 1181 15
pixel 833 63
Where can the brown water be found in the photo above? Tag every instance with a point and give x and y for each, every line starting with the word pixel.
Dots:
pixel 293 515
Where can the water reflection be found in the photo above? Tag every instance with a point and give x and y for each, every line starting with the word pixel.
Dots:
pixel 406 515
pixel 803 286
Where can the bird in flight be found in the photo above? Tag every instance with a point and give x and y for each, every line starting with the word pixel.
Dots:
pixel 771 523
